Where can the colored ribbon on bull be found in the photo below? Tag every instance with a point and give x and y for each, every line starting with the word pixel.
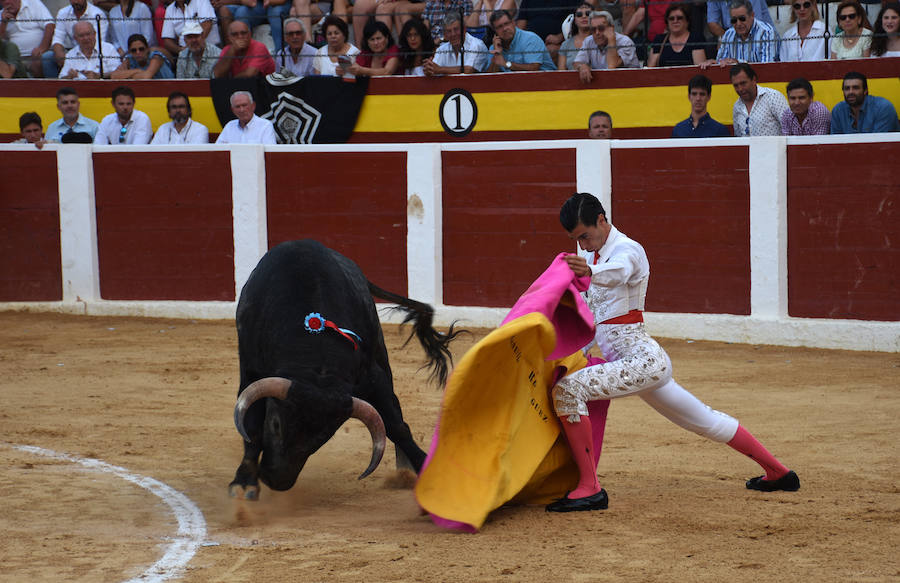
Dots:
pixel 316 323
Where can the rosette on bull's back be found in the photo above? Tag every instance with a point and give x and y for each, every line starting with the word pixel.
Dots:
pixel 498 439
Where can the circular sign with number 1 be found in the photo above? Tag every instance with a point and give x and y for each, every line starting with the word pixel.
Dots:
pixel 458 112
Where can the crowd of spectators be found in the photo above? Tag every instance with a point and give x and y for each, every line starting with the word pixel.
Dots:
pixel 137 39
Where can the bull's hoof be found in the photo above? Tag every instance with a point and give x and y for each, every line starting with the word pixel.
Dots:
pixel 245 492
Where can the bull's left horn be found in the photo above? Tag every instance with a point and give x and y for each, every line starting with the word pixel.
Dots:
pixel 368 415
pixel 275 387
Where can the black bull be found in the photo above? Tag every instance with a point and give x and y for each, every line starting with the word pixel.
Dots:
pixel 303 376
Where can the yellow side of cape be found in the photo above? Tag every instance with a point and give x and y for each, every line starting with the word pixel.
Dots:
pixel 498 439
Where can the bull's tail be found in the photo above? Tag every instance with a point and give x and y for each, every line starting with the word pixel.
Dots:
pixel 436 344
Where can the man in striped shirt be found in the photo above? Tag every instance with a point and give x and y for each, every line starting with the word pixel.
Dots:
pixel 749 40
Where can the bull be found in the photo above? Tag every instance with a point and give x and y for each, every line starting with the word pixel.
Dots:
pixel 312 355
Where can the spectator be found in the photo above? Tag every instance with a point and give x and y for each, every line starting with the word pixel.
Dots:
pixel 580 31
pixel 64 33
pixel 182 129
pixel 700 124
pixel 886 40
pixel 718 15
pixel 28 25
pixel 248 128
pixel 679 45
pixel 306 11
pixel 72 121
pixel 381 56
pixel 460 53
pixel 748 41
pixel 244 57
pixel 126 125
pixel 544 18
pixel 515 49
pixel 854 39
pixel 142 63
pixel 10 61
pixel 477 22
pixel 256 12
pixel 127 18
pixel 32 130
pixel 606 49
pixel 181 12
pixel 757 111
pixel 326 60
pixel 861 113
pixel 297 57
pixel 199 57
pixel 89 59
pixel 805 41
pixel 416 45
pixel 600 126
pixel 805 116
pixel 435 10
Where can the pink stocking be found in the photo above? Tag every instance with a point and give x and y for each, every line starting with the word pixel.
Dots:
pixel 581 442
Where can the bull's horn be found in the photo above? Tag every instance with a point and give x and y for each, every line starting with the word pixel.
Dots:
pixel 276 387
pixel 368 415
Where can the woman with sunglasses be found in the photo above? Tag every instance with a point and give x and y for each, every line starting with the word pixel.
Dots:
pixel 142 63
pixel 855 38
pixel 678 46
pixel 886 41
pixel 581 29
pixel 805 41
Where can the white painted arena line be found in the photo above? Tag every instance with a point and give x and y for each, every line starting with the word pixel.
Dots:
pixel 191 524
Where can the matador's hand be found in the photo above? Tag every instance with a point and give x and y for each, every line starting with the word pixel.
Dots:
pixel 578 265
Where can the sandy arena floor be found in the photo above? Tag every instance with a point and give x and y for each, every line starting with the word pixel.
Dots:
pixel 155 397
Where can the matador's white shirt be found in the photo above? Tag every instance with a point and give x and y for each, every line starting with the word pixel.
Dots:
pixel 619 277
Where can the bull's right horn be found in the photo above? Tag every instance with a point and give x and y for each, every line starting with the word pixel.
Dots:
pixel 275 387
pixel 368 415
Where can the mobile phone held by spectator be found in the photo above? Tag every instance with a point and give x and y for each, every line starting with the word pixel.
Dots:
pixel 344 62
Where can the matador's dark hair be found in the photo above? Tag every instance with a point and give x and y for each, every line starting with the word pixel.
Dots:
pixel 581 207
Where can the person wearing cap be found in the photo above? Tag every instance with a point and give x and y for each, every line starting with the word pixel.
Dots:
pixel 182 129
pixel 248 128
pixel 181 12
pixel 127 125
pixel 199 57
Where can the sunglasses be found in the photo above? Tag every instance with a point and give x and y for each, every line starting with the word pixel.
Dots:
pixel 805 5
pixel 582 14
pixel 675 18
pixel 122 135
pixel 737 18
pixel 847 16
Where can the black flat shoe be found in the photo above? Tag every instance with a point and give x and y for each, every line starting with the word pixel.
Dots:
pixel 788 482
pixel 598 501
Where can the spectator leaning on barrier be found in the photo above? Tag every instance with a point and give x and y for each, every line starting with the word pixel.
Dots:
pixel 248 128
pixel 182 129
pixel 600 126
pixel 244 57
pixel 28 25
pixel 805 40
pixel 515 49
pixel 605 49
pixel 805 116
pixel 32 130
pixel 700 124
pixel 64 33
pixel 861 113
pixel 72 121
pixel 459 53
pixel 748 41
pixel 199 57
pixel 89 59
pixel 757 111
pixel 297 57
pixel 127 125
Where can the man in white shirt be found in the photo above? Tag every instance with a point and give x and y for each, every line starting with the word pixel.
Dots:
pixel 459 53
pixel 248 128
pixel 89 60
pixel 64 33
pixel 179 13
pixel 127 125
pixel 28 25
pixel 757 111
pixel 296 58
pixel 182 129
pixel 605 48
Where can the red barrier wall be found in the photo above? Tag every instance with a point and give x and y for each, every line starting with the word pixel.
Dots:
pixel 168 239
pixel 30 264
pixel 844 231
pixel 354 203
pixel 690 209
pixel 500 221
